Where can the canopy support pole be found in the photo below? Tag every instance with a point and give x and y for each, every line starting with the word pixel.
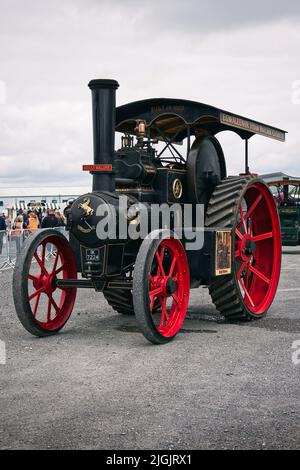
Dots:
pixel 188 140
pixel 247 170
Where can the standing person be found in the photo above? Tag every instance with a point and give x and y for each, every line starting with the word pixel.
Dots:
pixel 50 220
pixel 25 216
pixel 18 232
pixel 33 222
pixel 40 215
pixel 60 219
pixel 2 230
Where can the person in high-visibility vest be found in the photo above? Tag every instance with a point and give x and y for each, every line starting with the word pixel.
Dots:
pixel 17 232
pixel 33 222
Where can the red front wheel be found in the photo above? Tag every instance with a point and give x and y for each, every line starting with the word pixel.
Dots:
pixel 41 306
pixel 161 285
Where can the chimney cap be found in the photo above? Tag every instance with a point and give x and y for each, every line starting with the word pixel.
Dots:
pixel 103 83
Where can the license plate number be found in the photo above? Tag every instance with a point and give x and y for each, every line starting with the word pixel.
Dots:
pixel 92 255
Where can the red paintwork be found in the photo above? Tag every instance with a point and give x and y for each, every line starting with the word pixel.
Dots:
pixel 171 317
pixel 258 273
pixel 99 167
pixel 57 310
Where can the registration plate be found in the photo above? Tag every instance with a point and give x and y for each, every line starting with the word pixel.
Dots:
pixel 92 255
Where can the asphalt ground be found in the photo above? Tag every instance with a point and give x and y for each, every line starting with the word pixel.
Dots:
pixel 100 385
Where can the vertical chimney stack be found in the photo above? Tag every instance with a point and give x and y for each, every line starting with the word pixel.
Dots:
pixel 104 107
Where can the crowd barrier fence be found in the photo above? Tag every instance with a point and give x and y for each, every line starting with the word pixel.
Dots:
pixel 11 242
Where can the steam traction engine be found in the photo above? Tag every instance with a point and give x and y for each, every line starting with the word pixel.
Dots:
pixel 239 259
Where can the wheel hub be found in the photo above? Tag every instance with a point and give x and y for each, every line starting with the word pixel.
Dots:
pixel 48 282
pixel 167 285
pixel 171 286
pixel 248 248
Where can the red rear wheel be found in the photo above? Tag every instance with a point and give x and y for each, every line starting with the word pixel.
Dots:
pixel 247 206
pixel 41 306
pixel 161 277
pixel 257 248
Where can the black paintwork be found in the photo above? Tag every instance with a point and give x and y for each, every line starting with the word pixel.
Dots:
pixel 134 166
pixel 103 104
pixel 139 172
pixel 206 168
pixel 170 114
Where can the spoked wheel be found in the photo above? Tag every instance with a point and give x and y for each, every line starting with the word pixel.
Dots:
pixel 247 206
pixel 43 308
pixel 161 274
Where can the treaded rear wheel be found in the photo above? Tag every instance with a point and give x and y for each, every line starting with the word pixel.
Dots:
pixel 245 204
pixel 120 300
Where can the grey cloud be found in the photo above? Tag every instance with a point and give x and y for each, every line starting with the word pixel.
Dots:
pixel 241 58
pixel 198 16
pixel 158 16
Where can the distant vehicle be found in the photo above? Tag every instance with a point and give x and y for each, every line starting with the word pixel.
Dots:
pixel 286 191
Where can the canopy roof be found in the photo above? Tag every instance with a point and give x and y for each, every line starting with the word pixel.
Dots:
pixel 280 179
pixel 174 117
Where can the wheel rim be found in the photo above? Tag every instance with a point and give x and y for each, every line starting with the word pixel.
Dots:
pixel 257 248
pixel 51 306
pixel 169 284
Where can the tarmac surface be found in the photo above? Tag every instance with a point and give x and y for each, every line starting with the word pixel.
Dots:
pixel 100 385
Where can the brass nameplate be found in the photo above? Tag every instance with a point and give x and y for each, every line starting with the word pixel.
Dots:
pixel 223 252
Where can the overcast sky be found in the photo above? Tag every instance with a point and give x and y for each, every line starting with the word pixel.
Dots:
pixel 242 57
